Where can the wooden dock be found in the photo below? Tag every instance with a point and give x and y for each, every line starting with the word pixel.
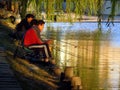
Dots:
pixel 7 78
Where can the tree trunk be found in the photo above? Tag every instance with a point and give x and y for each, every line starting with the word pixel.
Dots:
pixel 23 9
pixel 9 3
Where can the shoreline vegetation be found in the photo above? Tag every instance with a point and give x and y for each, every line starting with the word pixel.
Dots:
pixel 60 18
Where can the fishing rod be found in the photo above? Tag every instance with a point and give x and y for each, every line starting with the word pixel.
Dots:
pixel 75 46
pixel 67 52
pixel 78 55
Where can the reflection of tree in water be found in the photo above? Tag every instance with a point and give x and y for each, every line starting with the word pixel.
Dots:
pixel 79 49
pixel 88 63
pixel 75 45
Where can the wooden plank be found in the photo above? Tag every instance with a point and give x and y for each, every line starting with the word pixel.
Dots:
pixel 7 78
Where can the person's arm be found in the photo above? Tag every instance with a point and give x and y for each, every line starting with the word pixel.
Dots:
pixel 48 41
pixel 36 38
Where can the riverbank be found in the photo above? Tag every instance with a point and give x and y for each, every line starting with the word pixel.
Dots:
pixel 31 77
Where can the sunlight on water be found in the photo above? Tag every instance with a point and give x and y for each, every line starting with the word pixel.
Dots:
pixel 94 54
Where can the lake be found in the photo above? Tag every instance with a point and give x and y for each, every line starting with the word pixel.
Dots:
pixel 93 53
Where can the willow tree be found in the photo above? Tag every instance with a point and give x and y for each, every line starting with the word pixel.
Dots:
pixel 53 8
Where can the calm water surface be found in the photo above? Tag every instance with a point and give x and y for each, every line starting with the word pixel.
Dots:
pixel 94 54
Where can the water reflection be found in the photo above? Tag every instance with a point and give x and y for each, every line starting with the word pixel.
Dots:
pixel 94 54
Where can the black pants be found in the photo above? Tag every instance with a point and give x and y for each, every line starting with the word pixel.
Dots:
pixel 42 47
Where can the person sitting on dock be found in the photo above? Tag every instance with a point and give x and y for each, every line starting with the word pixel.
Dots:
pixel 33 40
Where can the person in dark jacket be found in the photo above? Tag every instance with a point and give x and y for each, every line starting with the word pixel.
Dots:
pixel 22 27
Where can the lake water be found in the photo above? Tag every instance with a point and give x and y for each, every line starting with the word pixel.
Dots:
pixel 94 54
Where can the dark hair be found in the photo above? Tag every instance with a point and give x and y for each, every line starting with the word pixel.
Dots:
pixel 41 22
pixel 34 22
pixel 30 15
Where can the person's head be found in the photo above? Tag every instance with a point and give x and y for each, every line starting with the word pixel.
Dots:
pixel 40 24
pixel 29 17
pixel 34 22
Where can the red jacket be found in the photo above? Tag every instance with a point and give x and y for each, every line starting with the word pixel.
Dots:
pixel 31 38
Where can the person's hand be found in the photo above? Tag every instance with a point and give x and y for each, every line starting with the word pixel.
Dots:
pixel 49 41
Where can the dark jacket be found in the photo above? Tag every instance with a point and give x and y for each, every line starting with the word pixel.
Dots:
pixel 31 38
pixel 23 25
pixel 21 28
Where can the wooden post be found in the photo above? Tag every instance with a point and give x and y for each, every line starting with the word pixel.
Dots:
pixel 68 73
pixel 76 83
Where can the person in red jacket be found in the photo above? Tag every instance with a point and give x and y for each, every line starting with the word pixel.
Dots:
pixel 33 40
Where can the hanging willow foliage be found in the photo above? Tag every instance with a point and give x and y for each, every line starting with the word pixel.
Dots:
pixel 68 9
pixel 114 3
